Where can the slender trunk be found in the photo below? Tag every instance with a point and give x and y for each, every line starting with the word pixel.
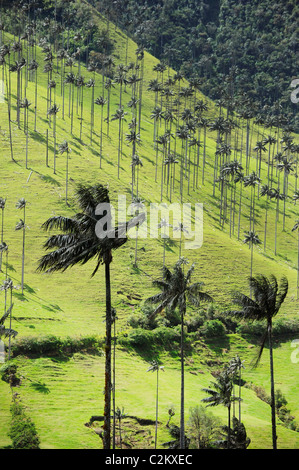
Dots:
pixel 107 409
pixel 228 433
pixel 156 430
pixel 274 436
pixel 182 418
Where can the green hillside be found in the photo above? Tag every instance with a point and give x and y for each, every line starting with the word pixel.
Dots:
pixel 61 387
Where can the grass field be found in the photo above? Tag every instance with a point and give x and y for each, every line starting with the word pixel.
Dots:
pixel 61 392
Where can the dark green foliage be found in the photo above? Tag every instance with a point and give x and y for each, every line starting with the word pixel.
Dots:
pixel 232 46
pixel 146 339
pixel 212 328
pixel 22 432
pixel 51 344
pixel 9 374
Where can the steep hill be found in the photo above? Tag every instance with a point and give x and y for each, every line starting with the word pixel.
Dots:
pixel 71 305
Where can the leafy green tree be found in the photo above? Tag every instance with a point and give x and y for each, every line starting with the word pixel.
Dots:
pixel 204 427
pixel 268 297
pixel 176 290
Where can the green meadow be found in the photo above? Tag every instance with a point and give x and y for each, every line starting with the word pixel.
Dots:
pixel 60 389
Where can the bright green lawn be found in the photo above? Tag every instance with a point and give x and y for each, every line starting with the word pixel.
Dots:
pixel 72 304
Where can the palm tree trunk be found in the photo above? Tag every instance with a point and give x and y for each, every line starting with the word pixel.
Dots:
pixel 157 393
pixel 228 431
pixel 182 419
pixel 274 436
pixel 107 408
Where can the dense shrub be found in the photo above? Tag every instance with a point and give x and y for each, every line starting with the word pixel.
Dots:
pixel 8 373
pixel 50 344
pixel 22 430
pixel 147 338
pixel 281 327
pixel 212 328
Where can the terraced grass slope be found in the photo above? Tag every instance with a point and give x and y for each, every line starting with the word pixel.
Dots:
pixel 61 392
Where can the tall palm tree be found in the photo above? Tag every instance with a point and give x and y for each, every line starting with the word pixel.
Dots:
pixel 101 101
pixel 180 228
pixel 155 367
pixel 25 104
pixel 53 111
pixel 176 290
pixel 64 147
pixel 251 239
pixel 221 394
pixel 268 298
pixel 21 204
pixel 163 224
pixel 235 367
pixel 119 116
pixel 252 181
pixel 287 167
pixel 80 242
pixel 8 286
pixel 136 163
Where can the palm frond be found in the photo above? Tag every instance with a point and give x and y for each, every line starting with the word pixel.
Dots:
pixel 65 224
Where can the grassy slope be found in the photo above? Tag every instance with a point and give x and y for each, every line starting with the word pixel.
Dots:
pixel 73 304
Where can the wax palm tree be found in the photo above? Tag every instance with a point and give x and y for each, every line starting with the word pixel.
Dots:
pixel 163 224
pixel 176 290
pixel 101 101
pixel 296 227
pixel 25 104
pixel 53 111
pixel 251 239
pixel 266 191
pixel 136 163
pixel 155 367
pixel 259 148
pixel 64 147
pixel 276 195
pixel 180 228
pixel 221 394
pixel 108 86
pixel 119 116
pixel 287 167
pixel 235 367
pixel 90 85
pixel 9 332
pixel 21 204
pixel 70 80
pixel 252 181
pixel 82 240
pixel 268 297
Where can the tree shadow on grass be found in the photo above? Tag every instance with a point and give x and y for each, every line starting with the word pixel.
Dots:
pixel 40 387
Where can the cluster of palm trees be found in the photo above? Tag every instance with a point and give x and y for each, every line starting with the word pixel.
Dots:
pixel 78 243
pixel 180 132
pixel 7 285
